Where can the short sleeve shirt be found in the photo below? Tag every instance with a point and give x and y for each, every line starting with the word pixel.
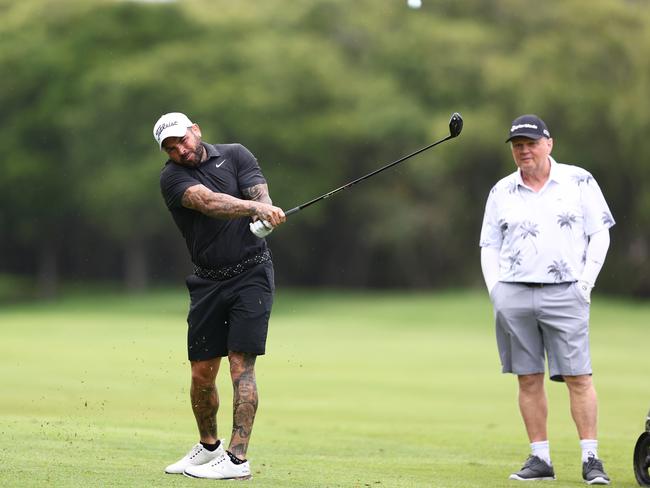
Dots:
pixel 543 236
pixel 212 242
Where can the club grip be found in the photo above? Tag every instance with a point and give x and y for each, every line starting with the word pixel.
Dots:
pixel 291 211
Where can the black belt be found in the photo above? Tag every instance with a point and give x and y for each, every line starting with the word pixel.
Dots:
pixel 227 272
pixel 541 285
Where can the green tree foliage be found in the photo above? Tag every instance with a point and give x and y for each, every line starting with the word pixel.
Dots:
pixel 322 91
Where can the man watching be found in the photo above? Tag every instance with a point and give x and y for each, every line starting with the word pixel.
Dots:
pixel 544 239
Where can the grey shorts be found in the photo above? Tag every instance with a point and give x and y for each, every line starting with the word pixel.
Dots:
pixel 532 323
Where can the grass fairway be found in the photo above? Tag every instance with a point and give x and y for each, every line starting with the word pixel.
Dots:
pixel 357 390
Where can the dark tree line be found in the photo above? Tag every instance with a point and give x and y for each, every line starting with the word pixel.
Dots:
pixel 322 91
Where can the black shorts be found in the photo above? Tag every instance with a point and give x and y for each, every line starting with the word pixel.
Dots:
pixel 230 315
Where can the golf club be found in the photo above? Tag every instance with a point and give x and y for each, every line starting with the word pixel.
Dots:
pixel 455 127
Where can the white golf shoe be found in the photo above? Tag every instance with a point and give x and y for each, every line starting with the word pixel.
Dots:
pixel 197 455
pixel 221 468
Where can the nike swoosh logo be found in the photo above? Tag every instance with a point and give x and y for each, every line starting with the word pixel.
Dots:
pixel 219 165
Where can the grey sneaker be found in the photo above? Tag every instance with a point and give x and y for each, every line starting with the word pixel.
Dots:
pixel 593 472
pixel 534 469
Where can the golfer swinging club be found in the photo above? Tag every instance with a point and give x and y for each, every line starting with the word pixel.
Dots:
pixel 213 192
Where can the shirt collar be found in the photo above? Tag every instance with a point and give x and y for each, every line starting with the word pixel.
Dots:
pixel 556 172
pixel 210 150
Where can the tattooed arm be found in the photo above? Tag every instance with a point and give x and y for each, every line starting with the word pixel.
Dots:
pixel 259 193
pixel 222 206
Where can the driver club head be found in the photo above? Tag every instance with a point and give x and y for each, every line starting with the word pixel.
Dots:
pixel 455 124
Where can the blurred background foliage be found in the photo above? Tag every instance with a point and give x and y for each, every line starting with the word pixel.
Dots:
pixel 321 91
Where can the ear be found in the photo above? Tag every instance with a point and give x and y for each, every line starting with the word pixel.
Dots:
pixel 550 144
pixel 196 130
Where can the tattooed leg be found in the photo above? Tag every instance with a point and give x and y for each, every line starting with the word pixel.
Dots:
pixel 205 398
pixel 242 371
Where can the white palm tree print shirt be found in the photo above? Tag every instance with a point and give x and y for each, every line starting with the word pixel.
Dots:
pixel 542 236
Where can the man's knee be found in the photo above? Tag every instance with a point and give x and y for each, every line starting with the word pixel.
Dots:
pixel 531 383
pixel 205 372
pixel 579 384
pixel 241 363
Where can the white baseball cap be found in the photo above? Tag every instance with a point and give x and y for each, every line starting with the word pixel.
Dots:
pixel 173 124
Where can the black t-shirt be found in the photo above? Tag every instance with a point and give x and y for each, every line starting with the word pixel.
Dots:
pixel 213 242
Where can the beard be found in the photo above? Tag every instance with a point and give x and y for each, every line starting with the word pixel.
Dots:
pixel 194 158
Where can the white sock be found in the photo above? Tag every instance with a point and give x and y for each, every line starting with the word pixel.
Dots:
pixel 541 450
pixel 589 449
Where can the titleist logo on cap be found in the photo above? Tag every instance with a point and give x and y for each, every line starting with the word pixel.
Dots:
pixel 164 126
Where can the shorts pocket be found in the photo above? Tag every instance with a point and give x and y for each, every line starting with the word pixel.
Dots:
pixel 578 294
pixel 270 276
pixel 494 291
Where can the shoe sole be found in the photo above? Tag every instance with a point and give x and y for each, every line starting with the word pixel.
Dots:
pixel 541 478
pixel 234 478
pixel 597 481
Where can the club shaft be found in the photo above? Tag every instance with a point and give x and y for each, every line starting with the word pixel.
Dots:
pixel 354 182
